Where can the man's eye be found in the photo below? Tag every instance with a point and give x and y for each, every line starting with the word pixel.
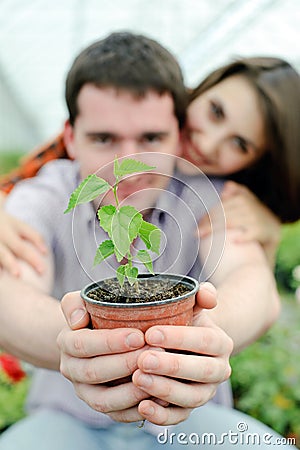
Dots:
pixel 104 139
pixel 153 138
pixel 216 110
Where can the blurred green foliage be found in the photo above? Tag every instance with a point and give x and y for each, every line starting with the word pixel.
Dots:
pixel 12 398
pixel 266 375
pixel 9 160
pixel 287 269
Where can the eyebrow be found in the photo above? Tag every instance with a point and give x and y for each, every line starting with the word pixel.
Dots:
pixel 99 133
pixel 156 133
pixel 94 134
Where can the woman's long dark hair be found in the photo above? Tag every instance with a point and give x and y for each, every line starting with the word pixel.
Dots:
pixel 275 179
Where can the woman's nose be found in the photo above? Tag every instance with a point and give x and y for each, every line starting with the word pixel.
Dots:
pixel 206 143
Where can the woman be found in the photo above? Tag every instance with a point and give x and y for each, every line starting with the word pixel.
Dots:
pixel 242 123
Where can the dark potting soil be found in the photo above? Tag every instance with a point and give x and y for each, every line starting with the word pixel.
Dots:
pixel 143 291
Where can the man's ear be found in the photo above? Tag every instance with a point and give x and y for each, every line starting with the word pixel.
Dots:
pixel 69 139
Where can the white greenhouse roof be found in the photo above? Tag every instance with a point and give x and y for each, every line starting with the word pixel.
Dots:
pixel 39 39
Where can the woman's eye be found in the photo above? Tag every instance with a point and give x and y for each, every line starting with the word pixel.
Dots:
pixel 241 144
pixel 217 110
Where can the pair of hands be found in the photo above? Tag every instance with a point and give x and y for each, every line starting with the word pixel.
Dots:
pixel 166 372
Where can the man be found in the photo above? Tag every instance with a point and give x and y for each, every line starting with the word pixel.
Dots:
pixel 125 96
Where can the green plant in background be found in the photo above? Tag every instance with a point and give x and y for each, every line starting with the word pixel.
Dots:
pixel 14 384
pixel 123 224
pixel 265 378
pixel 288 257
pixel 9 160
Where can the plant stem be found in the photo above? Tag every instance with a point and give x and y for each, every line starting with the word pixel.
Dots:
pixel 129 259
pixel 115 188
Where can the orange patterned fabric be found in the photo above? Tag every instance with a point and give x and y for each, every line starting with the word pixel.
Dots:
pixel 31 164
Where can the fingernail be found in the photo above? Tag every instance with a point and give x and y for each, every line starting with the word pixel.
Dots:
pixel 144 381
pixel 150 362
pixel 156 337
pixel 208 286
pixel 148 411
pixel 135 340
pixel 77 316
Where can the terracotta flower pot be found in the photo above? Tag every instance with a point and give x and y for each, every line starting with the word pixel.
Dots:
pixel 143 314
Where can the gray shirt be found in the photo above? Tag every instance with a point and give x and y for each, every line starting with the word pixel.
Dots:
pixel 74 238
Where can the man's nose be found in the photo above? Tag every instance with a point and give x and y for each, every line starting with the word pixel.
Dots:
pixel 128 147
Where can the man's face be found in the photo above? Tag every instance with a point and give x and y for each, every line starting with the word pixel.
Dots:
pixel 114 123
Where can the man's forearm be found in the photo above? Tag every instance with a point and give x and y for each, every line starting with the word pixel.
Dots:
pixel 29 323
pixel 246 307
pixel 248 301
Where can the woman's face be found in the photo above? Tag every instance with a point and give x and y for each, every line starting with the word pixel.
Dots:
pixel 225 128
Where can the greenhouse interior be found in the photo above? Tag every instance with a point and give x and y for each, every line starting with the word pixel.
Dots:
pixel 38 43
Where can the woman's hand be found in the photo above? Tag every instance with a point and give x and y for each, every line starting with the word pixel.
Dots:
pixel 245 213
pixel 19 240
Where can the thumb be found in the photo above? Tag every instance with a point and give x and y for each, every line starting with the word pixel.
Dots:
pixel 206 297
pixel 74 310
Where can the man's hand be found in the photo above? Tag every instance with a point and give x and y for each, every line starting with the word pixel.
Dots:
pixel 94 360
pixel 187 373
pixel 173 369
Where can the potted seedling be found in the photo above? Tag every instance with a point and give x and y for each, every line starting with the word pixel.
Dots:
pixel 131 299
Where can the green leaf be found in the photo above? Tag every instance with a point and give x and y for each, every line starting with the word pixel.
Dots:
pixel 124 229
pixel 129 166
pixel 131 274
pixel 105 215
pixel 150 235
pixel 121 274
pixel 145 258
pixel 105 249
pixel 89 189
